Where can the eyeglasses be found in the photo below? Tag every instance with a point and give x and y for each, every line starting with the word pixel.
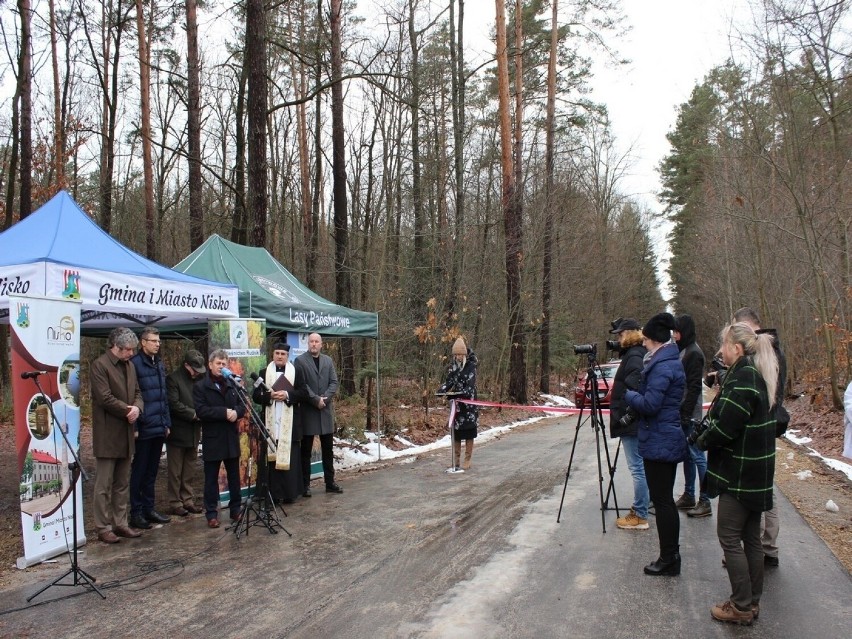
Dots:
pixel 153 341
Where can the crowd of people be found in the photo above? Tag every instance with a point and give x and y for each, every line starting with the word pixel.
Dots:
pixel 137 408
pixel 657 410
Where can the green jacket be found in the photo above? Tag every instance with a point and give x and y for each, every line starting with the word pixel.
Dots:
pixel 740 438
pixel 186 429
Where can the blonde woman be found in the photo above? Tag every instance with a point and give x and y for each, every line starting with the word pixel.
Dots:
pixel 740 438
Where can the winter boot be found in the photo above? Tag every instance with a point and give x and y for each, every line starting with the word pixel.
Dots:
pixel 456 454
pixel 468 453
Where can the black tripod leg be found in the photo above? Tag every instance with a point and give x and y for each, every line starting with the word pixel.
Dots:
pixel 611 488
pixel 570 461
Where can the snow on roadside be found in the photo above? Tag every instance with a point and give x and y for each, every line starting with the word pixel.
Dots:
pixel 358 454
pixel 843 467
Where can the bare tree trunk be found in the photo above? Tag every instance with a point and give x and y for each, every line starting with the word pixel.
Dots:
pixel 257 106
pixel 457 77
pixel 193 127
pixel 58 125
pixel 417 257
pixel 147 156
pixel 341 222
pixel 511 220
pixel 239 226
pixel 549 126
pixel 300 73
pixel 25 84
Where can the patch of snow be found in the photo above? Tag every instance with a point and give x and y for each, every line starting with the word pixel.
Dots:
pixel 831 507
pixel 804 474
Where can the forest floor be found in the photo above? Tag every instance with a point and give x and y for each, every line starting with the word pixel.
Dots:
pixel 807 491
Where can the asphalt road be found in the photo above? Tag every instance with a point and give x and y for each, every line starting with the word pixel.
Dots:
pixel 411 551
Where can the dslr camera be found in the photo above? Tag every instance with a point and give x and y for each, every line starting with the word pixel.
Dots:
pixel 628 418
pixel 585 349
pixel 613 345
pixel 698 428
pixel 718 372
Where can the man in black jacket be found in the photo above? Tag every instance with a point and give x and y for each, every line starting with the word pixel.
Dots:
pixel 219 408
pixel 621 423
pixel 770 524
pixel 692 358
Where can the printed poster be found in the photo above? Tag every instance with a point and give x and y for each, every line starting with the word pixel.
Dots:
pixel 45 344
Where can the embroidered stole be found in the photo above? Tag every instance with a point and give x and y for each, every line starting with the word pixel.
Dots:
pixel 279 418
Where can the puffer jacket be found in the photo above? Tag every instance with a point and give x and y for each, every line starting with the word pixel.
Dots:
pixel 627 377
pixel 155 419
pixel 661 437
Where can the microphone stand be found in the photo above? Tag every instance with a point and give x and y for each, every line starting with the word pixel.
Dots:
pixel 81 577
pixel 259 503
pixel 453 469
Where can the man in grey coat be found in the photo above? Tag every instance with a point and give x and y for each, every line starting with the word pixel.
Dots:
pixel 316 377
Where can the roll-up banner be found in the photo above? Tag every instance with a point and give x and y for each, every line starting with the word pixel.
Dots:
pixel 45 340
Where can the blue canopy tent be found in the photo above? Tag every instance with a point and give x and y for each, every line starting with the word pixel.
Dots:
pixel 59 252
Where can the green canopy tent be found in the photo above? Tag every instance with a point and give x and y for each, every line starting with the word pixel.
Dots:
pixel 268 290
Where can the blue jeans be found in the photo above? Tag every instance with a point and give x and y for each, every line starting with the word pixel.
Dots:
pixel 630 444
pixel 697 460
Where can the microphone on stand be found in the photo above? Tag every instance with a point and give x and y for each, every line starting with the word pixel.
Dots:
pixel 32 374
pixel 228 374
pixel 259 383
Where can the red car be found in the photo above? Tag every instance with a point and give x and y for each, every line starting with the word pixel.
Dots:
pixel 606 375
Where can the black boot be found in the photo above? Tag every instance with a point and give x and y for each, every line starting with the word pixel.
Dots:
pixel 663 568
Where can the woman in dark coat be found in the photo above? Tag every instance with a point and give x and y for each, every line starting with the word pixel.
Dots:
pixel 461 381
pixel 629 377
pixel 740 438
pixel 662 443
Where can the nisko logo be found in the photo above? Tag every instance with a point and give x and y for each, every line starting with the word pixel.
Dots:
pixel 23 320
pixel 72 285
pixel 63 332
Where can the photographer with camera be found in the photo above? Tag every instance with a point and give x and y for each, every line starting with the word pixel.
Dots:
pixel 740 438
pixel 662 443
pixel 692 358
pixel 622 421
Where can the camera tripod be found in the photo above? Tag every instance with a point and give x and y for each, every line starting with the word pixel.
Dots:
pixel 590 392
pixel 259 508
pixel 80 576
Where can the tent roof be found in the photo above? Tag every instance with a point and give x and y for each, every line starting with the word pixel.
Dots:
pixel 270 291
pixel 58 251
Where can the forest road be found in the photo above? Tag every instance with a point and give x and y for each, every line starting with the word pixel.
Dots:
pixel 411 551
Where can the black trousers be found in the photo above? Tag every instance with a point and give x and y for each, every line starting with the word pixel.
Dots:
pixel 326 445
pixel 143 475
pixel 661 478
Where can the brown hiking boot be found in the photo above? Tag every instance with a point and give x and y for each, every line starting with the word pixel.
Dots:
pixel 631 521
pixel 729 613
pixel 685 502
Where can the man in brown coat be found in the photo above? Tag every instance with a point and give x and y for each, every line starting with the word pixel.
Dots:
pixel 116 405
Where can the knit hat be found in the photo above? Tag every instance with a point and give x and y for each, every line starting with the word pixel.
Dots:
pixel 659 328
pixel 195 360
pixel 626 324
pixel 459 347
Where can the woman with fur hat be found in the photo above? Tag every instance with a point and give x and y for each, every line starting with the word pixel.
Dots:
pixel 629 377
pixel 461 381
pixel 662 443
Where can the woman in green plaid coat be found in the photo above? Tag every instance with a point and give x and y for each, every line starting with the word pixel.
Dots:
pixel 740 438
